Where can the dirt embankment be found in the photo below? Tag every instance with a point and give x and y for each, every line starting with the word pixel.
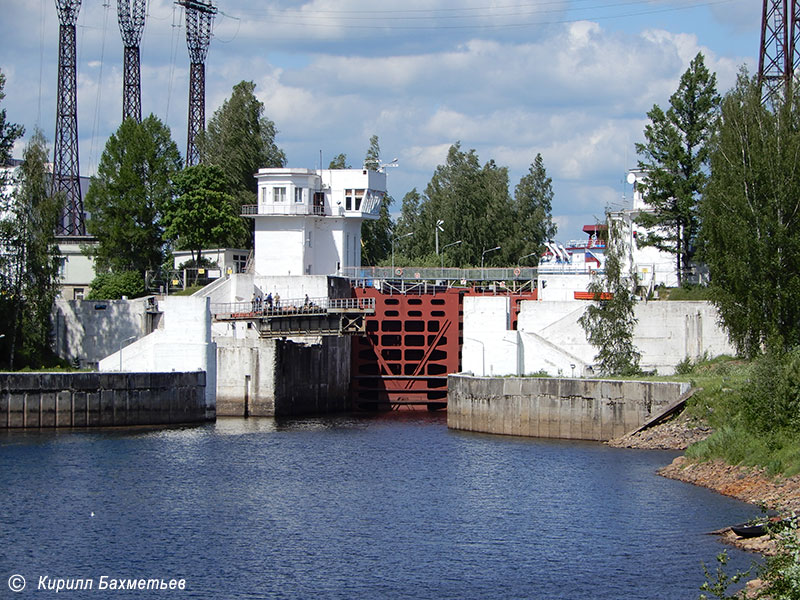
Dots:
pixel 676 434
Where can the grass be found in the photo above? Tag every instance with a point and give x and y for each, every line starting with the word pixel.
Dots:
pixel 188 291
pixel 725 383
pixel 694 293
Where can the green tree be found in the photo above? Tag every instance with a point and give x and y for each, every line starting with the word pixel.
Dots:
pixel 9 132
pixel 751 220
pixel 339 162
pixel 609 321
pixel 125 199
pixel 203 213
pixel 474 204
pixel 533 201
pixel 241 140
pixel 373 159
pixel 376 236
pixel 113 286
pixel 675 156
pixel 408 223
pixel 31 258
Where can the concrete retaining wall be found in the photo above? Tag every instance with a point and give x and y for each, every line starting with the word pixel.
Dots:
pixel 581 409
pixel 101 399
pixel 550 339
pixel 86 331
pixel 276 377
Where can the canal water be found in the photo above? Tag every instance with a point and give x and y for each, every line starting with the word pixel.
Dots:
pixel 389 506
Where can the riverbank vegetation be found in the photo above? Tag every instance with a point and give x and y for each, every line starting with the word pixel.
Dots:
pixel 753 407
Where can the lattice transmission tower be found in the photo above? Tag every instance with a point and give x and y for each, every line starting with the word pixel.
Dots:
pixel 778 59
pixel 66 167
pixel 130 14
pixel 199 20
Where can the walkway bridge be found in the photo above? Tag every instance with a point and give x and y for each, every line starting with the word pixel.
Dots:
pixel 300 317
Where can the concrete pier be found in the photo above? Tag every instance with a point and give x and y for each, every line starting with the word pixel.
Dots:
pixel 35 400
pixel 580 409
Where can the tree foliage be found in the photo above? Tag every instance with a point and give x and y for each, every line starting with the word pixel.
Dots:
pixel 240 140
pixel 30 259
pixel 609 321
pixel 125 199
pixel 376 236
pixel 203 213
pixel 339 162
pixel 533 201
pixel 751 220
pixel 372 161
pixel 474 203
pixel 675 156
pixel 113 286
pixel 9 132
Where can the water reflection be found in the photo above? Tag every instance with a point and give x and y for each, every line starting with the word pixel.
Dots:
pixel 355 506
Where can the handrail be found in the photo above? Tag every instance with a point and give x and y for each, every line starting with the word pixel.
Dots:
pixel 260 307
pixel 447 273
pixel 288 208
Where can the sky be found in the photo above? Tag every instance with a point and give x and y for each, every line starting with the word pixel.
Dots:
pixel 570 79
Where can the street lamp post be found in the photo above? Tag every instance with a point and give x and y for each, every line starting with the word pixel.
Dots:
pixel 445 248
pixel 521 258
pixel 394 239
pixel 437 229
pixel 484 253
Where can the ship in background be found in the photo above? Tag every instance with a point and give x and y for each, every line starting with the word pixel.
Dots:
pixel 565 270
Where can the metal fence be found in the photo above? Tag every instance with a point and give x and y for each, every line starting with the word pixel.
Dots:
pixel 442 274
pixel 260 307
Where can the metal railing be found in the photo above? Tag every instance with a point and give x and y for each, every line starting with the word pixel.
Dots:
pixel 289 208
pixel 260 307
pixel 443 274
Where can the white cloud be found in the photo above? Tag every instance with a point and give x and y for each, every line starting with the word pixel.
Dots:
pixel 576 92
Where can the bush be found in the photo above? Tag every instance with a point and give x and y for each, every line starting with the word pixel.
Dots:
pixel 113 286
pixel 771 400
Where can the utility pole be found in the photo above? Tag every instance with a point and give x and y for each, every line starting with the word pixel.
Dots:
pixel 130 15
pixel 778 58
pixel 199 20
pixel 66 168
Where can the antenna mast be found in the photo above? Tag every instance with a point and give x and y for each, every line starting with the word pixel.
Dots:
pixel 199 19
pixel 130 15
pixel 778 59
pixel 66 169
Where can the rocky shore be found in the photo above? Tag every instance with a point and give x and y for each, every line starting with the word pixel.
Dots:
pixel 779 494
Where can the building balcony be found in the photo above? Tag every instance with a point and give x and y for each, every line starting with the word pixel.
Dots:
pixel 288 209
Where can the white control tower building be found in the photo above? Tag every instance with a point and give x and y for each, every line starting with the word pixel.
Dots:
pixel 308 222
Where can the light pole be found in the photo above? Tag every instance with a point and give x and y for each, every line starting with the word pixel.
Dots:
pixel 437 229
pixel 521 258
pixel 445 248
pixel 484 253
pixel 394 239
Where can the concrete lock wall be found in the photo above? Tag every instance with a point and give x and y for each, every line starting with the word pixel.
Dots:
pixel 581 409
pixel 278 377
pixel 86 331
pixel 29 400
pixel 550 339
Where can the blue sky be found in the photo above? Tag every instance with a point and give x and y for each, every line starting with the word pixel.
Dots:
pixel 572 80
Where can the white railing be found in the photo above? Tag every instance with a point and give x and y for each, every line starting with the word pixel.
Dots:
pixel 289 208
